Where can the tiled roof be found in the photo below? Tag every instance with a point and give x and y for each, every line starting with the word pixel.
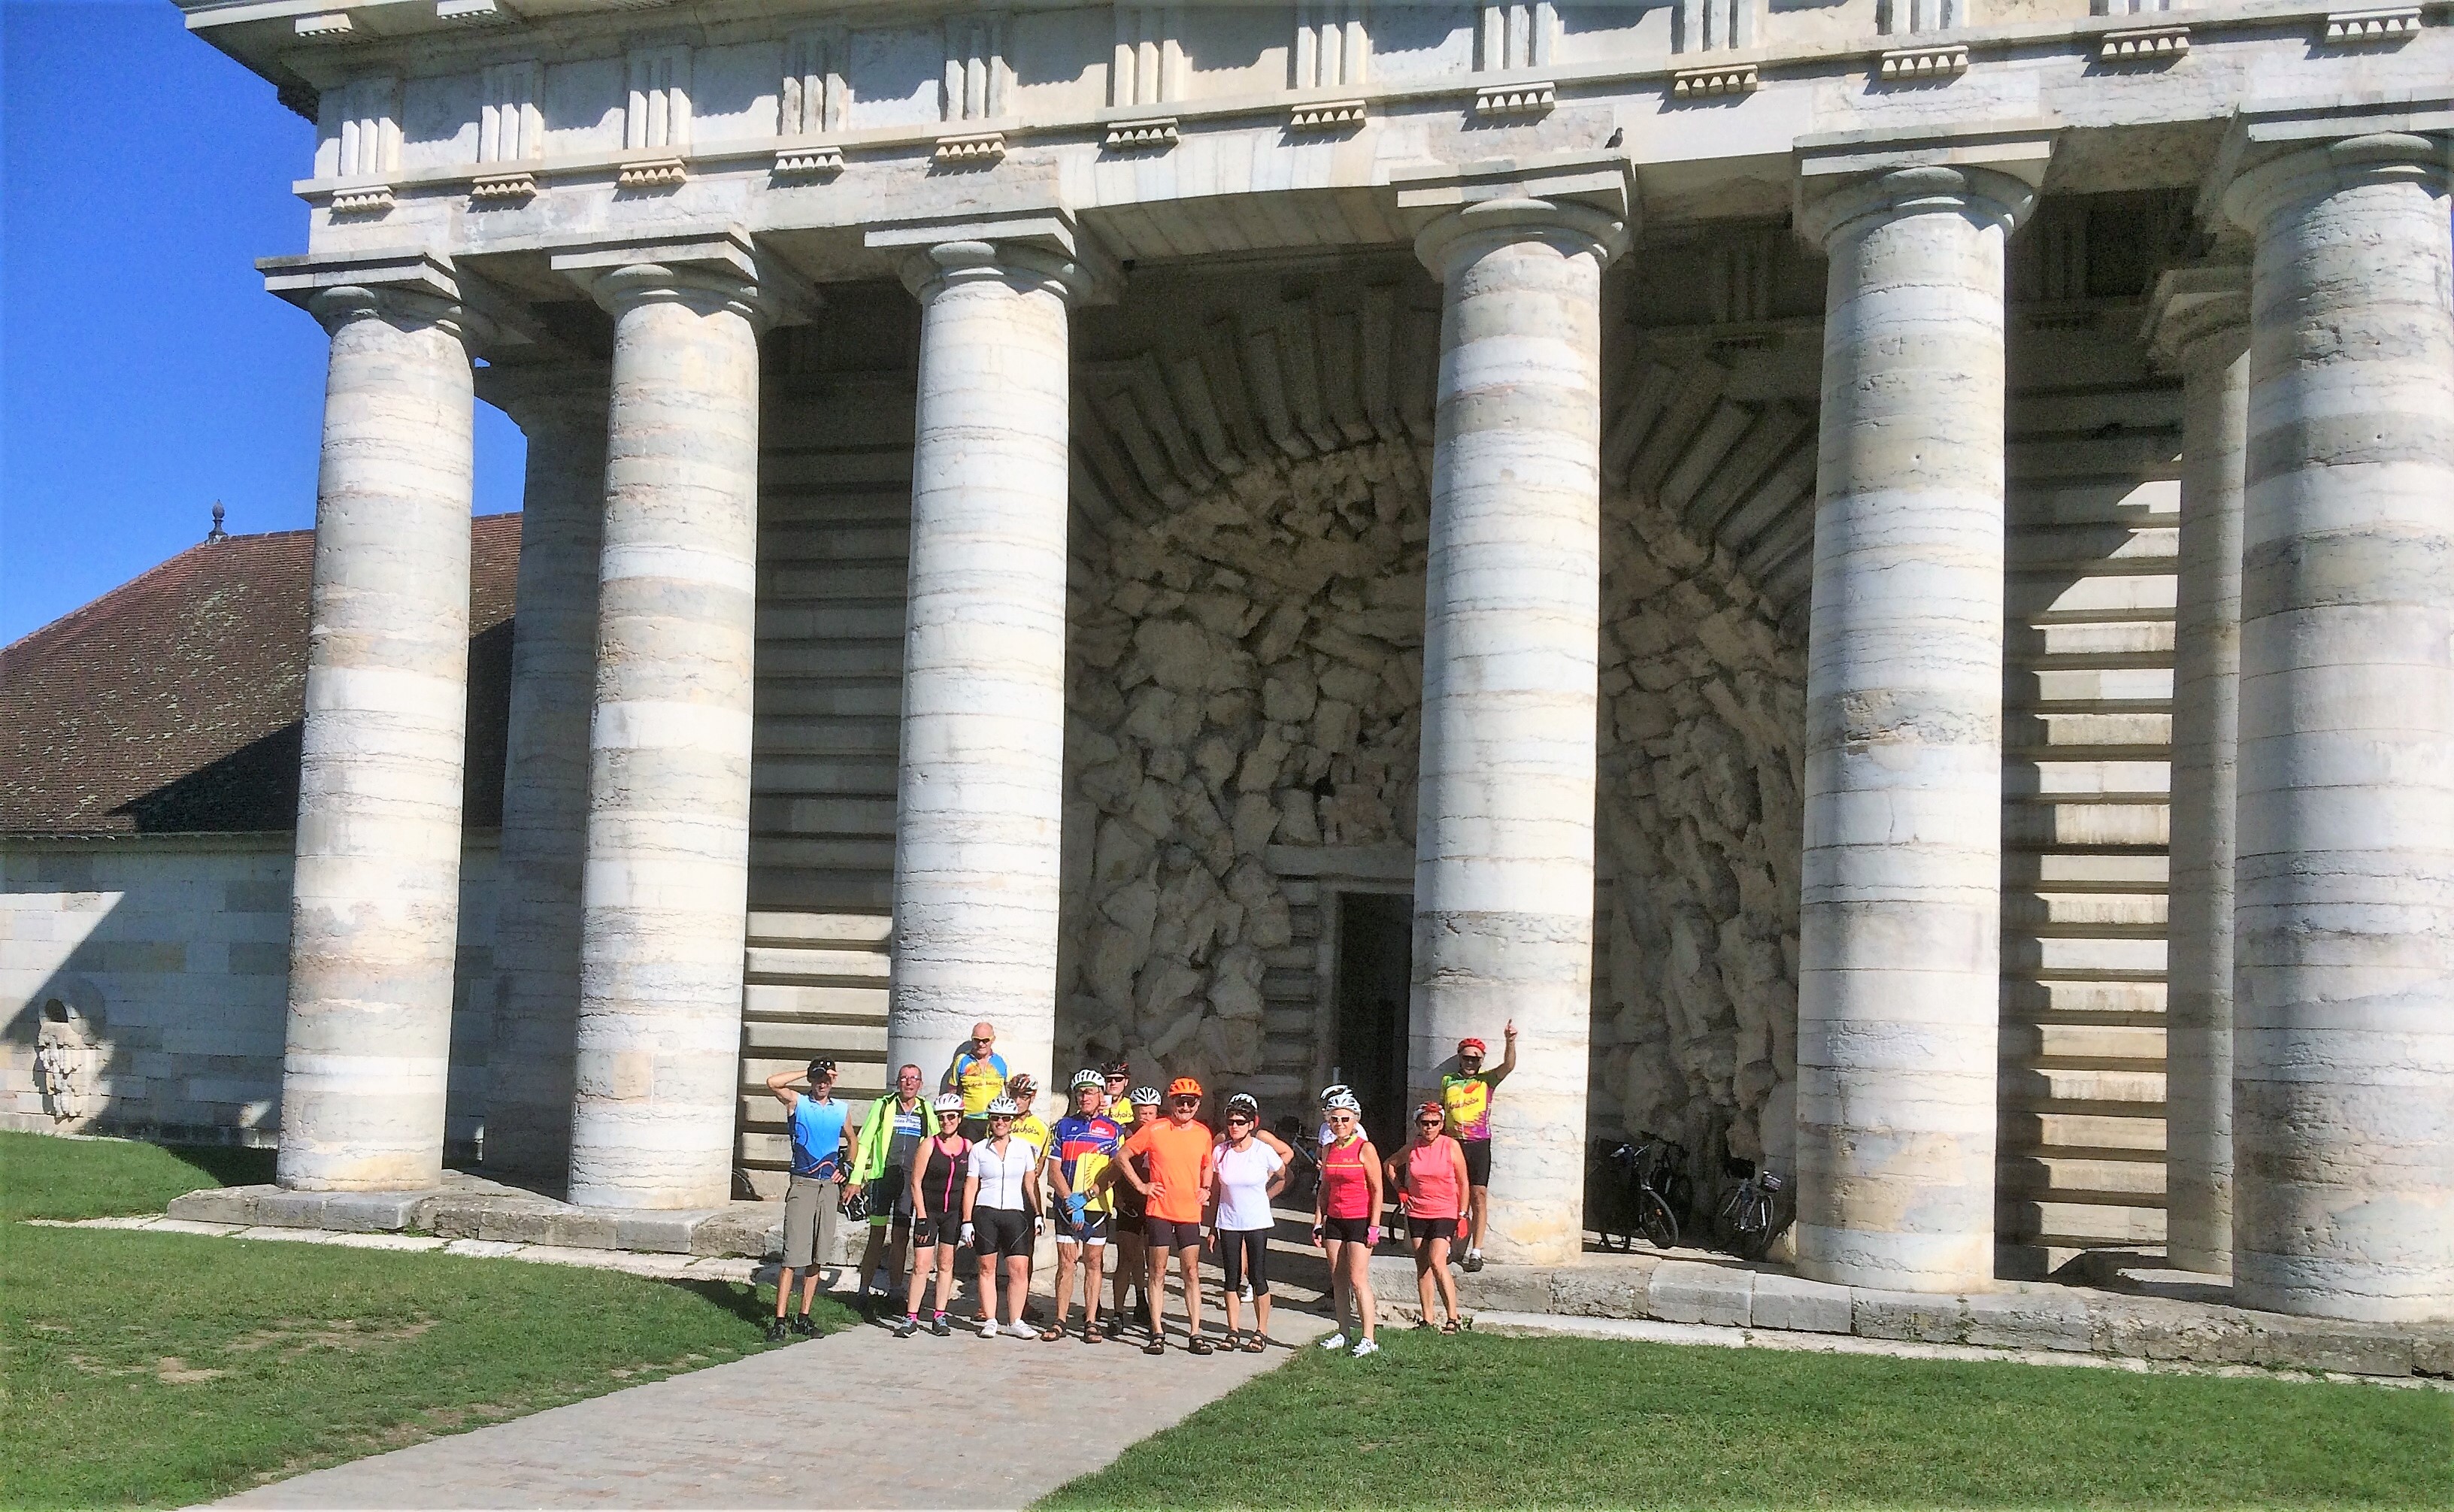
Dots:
pixel 172 703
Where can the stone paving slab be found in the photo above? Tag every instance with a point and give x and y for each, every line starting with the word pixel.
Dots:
pixel 859 1418
pixel 473 1208
pixel 1542 1325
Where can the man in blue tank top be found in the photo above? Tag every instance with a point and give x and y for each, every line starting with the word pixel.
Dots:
pixel 816 1121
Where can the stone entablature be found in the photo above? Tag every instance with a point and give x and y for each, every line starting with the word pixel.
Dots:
pixel 574 120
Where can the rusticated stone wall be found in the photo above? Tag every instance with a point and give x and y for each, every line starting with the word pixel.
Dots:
pixel 1696 959
pixel 1247 673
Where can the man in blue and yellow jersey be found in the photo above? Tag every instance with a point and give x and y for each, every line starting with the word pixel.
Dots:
pixel 979 1073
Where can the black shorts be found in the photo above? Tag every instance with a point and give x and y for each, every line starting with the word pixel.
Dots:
pixel 1430 1228
pixel 1244 1256
pixel 1123 1224
pixel 1478 1161
pixel 1346 1230
pixel 1094 1230
pixel 936 1228
pixel 1171 1233
pixel 898 1180
pixel 1004 1232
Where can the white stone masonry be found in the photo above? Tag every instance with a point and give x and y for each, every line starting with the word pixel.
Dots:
pixel 561 408
pixel 1504 827
pixel 666 887
pixel 2202 328
pixel 980 793
pixel 2343 1007
pixel 1900 927
pixel 375 908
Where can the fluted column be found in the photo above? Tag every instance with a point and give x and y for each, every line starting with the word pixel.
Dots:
pixel 665 890
pixel 2343 980
pixel 1504 828
pixel 561 408
pixel 979 796
pixel 2200 327
pixel 1900 927
pixel 376 906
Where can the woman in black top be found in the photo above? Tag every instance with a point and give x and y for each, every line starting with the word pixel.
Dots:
pixel 937 1214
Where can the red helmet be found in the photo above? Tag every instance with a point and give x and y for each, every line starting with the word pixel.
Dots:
pixel 1184 1087
pixel 1473 1047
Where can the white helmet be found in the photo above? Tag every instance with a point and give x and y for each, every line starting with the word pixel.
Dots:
pixel 1003 1107
pixel 1339 1099
pixel 1088 1078
pixel 948 1103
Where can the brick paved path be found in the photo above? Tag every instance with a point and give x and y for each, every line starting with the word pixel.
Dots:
pixel 859 1418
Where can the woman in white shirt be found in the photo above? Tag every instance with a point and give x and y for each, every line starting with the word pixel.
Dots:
pixel 1001 1218
pixel 1247 1173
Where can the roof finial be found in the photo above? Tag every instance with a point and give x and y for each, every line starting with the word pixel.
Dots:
pixel 217 533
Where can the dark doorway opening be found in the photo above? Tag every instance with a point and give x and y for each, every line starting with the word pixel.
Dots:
pixel 1376 954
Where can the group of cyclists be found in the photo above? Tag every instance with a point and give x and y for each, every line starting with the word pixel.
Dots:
pixel 1123 1168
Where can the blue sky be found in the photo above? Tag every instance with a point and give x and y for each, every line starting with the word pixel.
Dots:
pixel 145 372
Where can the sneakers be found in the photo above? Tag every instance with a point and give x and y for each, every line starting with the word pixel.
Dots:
pixel 1365 1347
pixel 988 1328
pixel 1018 1329
pixel 1334 1341
pixel 907 1326
pixel 776 1333
pixel 1472 1261
pixel 938 1326
pixel 802 1326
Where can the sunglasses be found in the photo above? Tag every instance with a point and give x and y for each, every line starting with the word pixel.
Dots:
pixel 948 1114
pixel 1187 1102
pixel 1237 1118
pixel 1427 1124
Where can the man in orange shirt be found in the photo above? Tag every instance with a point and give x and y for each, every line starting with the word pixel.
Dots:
pixel 1177 1153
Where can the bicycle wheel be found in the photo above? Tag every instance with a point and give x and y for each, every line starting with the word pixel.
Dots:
pixel 1654 1215
pixel 1756 1228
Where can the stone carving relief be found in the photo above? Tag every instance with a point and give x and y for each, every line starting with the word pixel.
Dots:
pixel 66 1057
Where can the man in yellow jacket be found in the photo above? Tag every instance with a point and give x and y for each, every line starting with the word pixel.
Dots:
pixel 881 1166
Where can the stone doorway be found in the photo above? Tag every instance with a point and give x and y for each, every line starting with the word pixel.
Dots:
pixel 1375 972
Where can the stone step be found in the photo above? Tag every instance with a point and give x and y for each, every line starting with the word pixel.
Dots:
pixel 2068 457
pixel 801 816
pixel 867 619
pixel 2092 547
pixel 2093 913
pixel 805 887
pixel 809 966
pixel 2046 1089
pixel 789 470
pixel 2049 824
pixel 807 539
pixel 2089 409
pixel 800 698
pixel 822 931
pixel 2111 642
pixel 2050 871
pixel 841 852
pixel 2043 735
pixel 2056 597
pixel 772 739
pixel 2081 1180
pixel 2106 1136
pixel 865 776
pixel 2086 779
pixel 880 577
pixel 2089 1224
pixel 2113 688
pixel 2094 500
pixel 2095 1047
pixel 782 660
pixel 2092 958
pixel 839 1004
pixel 797 1039
pixel 2025 999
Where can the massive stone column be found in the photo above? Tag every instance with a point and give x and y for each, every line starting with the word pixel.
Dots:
pixel 1900 925
pixel 561 408
pixel 2201 326
pixel 666 885
pixel 2344 981
pixel 1504 828
pixel 375 914
pixel 980 797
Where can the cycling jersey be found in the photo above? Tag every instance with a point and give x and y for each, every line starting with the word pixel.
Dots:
pixel 980 1080
pixel 1466 1100
pixel 1083 1148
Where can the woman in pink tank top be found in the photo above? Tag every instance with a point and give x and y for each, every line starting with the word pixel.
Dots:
pixel 1431 1180
pixel 1346 1221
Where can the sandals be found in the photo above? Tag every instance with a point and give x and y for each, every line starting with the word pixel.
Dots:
pixel 1091 1334
pixel 1199 1347
pixel 1255 1343
pixel 1051 1334
pixel 1450 1327
pixel 1154 1347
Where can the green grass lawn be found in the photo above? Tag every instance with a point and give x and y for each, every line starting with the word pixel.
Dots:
pixel 156 1369
pixel 1488 1421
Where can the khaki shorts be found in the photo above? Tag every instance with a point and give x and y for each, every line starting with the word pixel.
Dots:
pixel 809 1221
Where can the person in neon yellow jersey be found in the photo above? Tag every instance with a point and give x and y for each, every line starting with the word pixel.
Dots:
pixel 979 1073
pixel 1465 1102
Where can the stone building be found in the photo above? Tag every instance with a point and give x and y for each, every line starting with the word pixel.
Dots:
pixel 1266 537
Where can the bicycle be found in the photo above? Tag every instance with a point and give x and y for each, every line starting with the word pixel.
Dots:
pixel 1633 1190
pixel 1750 1218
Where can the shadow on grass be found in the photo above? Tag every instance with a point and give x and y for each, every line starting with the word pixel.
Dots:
pixel 225 1164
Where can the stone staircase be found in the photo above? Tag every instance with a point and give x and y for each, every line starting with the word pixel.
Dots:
pixel 812 984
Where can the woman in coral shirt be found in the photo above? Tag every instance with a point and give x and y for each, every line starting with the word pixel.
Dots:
pixel 1430 1176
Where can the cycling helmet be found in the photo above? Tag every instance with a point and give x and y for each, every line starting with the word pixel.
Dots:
pixel 1022 1086
pixel 1184 1087
pixel 948 1103
pixel 1002 1108
pixel 1145 1097
pixel 1473 1046
pixel 1334 1091
pixel 1342 1100
pixel 1117 1068
pixel 1088 1078
pixel 1244 1102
